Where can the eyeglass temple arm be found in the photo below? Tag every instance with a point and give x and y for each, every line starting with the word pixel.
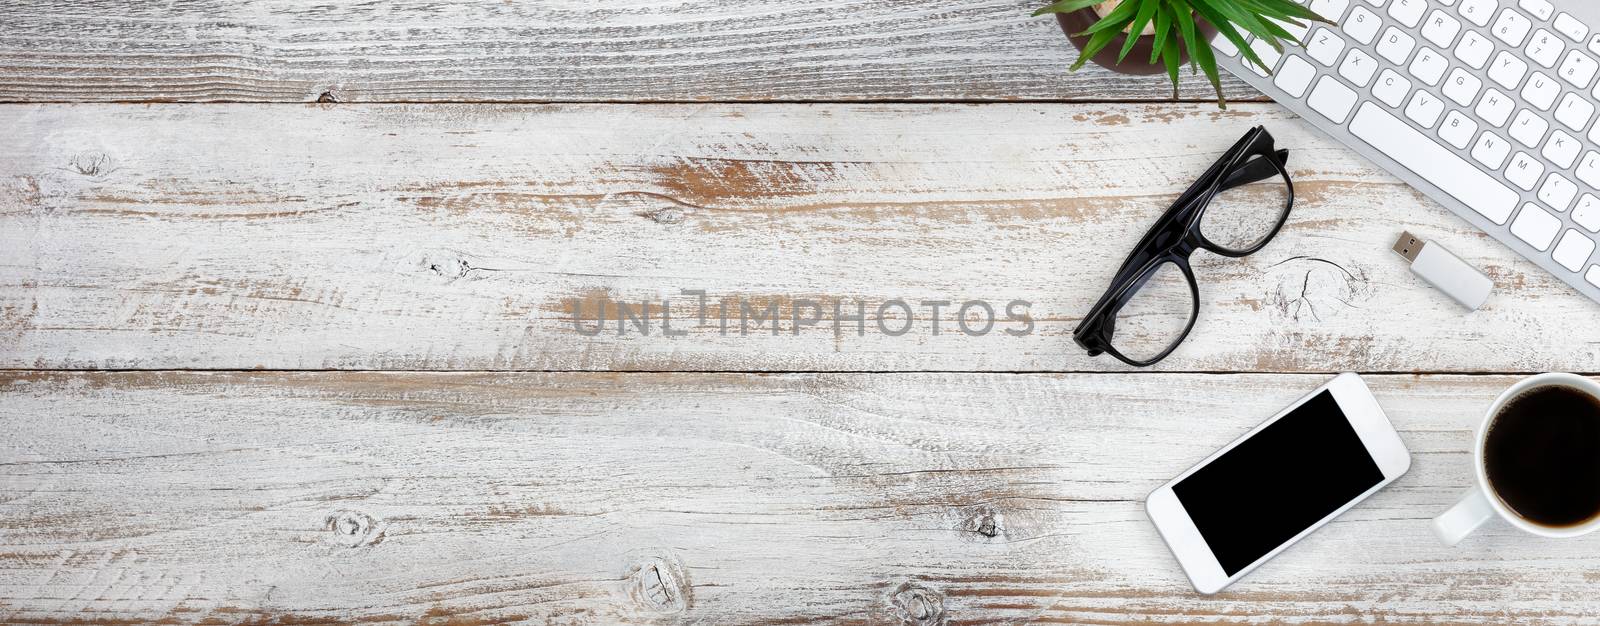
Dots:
pixel 1256 170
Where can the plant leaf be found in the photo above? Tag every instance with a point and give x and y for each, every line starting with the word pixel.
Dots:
pixel 1289 9
pixel 1208 64
pixel 1186 28
pixel 1279 31
pixel 1163 29
pixel 1229 12
pixel 1226 28
pixel 1096 42
pixel 1233 14
pixel 1169 54
pixel 1275 21
pixel 1117 19
pixel 1183 16
pixel 1066 6
pixel 1147 8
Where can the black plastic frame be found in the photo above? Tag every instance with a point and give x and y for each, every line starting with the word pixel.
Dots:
pixel 1177 234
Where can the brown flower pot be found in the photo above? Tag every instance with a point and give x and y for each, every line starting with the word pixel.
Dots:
pixel 1138 60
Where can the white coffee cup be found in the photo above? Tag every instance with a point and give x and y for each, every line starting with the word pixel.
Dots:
pixel 1481 503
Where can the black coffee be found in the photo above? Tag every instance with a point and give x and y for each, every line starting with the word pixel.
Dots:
pixel 1543 455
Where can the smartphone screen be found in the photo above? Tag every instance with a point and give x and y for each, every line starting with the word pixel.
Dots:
pixel 1280 481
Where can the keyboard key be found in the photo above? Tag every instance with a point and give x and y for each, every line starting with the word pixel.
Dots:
pixel 1425 109
pixel 1408 12
pixel 1266 53
pixel 1331 9
pixel 1536 226
pixel 1545 48
pixel 1358 67
pixel 1507 70
pixel 1295 76
pixel 1557 192
pixel 1589 169
pixel 1587 213
pixel 1528 128
pixel 1574 111
pixel 1224 45
pixel 1511 27
pixel 1458 129
pixel 1332 99
pixel 1524 171
pixel 1440 28
pixel 1539 8
pixel 1461 87
pixel 1478 11
pixel 1429 66
pixel 1433 162
pixel 1571 27
pixel 1562 149
pixel 1362 25
pixel 1593 275
pixel 1396 45
pixel 1578 69
pixel 1391 88
pixel 1594 44
pixel 1474 50
pixel 1495 107
pixel 1573 251
pixel 1491 150
pixel 1325 47
pixel 1541 91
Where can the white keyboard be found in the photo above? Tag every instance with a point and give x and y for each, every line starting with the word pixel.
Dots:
pixel 1488 106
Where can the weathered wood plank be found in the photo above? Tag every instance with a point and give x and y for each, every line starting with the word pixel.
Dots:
pixel 305 497
pixel 449 237
pixel 494 50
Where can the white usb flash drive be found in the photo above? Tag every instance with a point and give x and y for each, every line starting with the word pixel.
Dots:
pixel 1455 277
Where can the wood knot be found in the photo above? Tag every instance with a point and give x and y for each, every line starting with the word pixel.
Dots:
pixel 917 605
pixel 328 97
pixel 92 164
pixel 657 584
pixel 984 521
pixel 447 264
pixel 665 215
pixel 449 268
pixel 352 529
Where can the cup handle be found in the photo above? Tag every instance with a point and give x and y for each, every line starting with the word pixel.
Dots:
pixel 1463 518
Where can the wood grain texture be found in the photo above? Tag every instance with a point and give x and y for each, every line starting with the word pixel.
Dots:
pixel 462 237
pixel 563 51
pixel 707 498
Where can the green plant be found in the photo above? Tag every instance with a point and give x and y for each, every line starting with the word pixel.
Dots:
pixel 1174 21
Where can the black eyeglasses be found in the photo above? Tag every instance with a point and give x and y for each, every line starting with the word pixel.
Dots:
pixel 1233 210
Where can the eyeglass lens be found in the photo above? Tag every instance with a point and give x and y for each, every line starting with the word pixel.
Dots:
pixel 1240 217
pixel 1155 317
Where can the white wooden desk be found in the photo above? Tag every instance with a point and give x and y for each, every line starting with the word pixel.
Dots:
pixel 276 362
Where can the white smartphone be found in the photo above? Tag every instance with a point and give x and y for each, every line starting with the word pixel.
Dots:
pixel 1280 481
